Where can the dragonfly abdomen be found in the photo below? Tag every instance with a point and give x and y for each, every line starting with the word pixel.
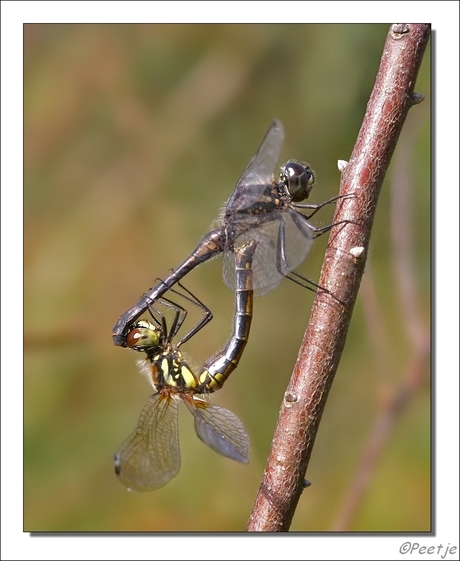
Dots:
pixel 215 371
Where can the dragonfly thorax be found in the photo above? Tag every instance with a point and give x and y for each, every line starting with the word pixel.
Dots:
pixel 298 178
pixel 245 205
pixel 170 371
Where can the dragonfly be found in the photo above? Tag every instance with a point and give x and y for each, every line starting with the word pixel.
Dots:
pixel 263 209
pixel 150 456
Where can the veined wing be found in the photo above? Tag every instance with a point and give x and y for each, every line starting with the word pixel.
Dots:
pixel 284 240
pixel 259 172
pixel 220 429
pixel 150 456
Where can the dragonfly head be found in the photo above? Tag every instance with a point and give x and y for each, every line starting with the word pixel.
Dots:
pixel 144 336
pixel 298 178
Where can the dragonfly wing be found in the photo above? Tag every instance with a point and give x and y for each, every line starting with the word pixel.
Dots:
pixel 150 456
pixel 297 239
pixel 265 274
pixel 284 240
pixel 221 430
pixel 259 171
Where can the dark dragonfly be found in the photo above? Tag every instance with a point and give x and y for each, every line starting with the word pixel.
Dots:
pixel 261 209
pixel 150 457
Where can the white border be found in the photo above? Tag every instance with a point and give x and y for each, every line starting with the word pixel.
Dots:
pixel 444 17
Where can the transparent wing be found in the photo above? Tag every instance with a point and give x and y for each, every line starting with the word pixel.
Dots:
pixel 220 429
pixel 150 456
pixel 284 240
pixel 260 169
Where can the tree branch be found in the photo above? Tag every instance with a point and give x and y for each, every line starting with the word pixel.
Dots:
pixel 343 267
pixel 394 397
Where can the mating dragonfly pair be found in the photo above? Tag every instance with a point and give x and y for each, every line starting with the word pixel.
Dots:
pixel 263 236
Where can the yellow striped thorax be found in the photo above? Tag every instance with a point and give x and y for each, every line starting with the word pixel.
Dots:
pixel 170 370
pixel 168 367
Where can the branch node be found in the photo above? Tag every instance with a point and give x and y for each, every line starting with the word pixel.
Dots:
pixel 398 30
pixel 417 98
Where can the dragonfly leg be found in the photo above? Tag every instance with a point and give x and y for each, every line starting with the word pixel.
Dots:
pixel 316 207
pixel 324 229
pixel 282 265
pixel 179 319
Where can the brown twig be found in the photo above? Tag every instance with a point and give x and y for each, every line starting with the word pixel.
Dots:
pixel 396 397
pixel 343 266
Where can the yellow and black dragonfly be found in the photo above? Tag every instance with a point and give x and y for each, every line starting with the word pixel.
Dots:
pixel 150 456
pixel 263 209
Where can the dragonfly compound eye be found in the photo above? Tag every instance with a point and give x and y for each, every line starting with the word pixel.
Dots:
pixel 299 179
pixel 143 336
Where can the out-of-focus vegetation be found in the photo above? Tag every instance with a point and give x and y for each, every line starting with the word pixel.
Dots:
pixel 134 137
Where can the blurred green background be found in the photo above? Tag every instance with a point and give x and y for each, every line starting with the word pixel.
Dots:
pixel 134 137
